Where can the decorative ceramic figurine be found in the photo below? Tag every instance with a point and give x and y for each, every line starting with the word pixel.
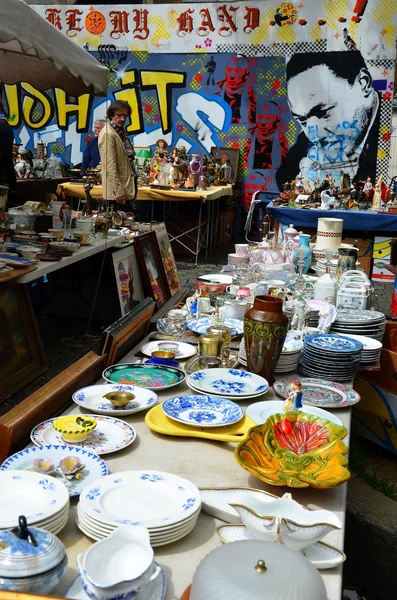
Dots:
pixel 294 401
pixel 327 200
pixel 368 188
pixel 377 199
pixel 195 169
pixel 300 309
pixel 327 315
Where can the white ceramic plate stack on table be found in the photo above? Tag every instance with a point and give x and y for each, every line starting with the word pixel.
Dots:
pixel 166 504
pixel 371 348
pixel 289 357
pixel 312 316
pixel 330 356
pixel 228 383
pixel 369 323
pixel 42 499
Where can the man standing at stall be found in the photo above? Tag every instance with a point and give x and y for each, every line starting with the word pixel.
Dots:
pixel 117 155
pixel 91 156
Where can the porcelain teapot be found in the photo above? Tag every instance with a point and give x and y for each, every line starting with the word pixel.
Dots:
pixel 118 566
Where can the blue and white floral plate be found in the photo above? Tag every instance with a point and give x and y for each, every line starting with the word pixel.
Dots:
pixel 201 325
pixel 233 383
pixel 34 495
pixel 332 342
pixel 155 499
pixel 109 435
pixel 73 466
pixel 202 411
pixel 92 398
pixel 155 590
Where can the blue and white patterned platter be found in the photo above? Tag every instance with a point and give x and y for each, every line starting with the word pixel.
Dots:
pixel 109 435
pixel 155 590
pixel 92 398
pixel 47 460
pixel 202 411
pixel 201 325
pixel 333 342
pixel 155 499
pixel 228 382
pixel 34 495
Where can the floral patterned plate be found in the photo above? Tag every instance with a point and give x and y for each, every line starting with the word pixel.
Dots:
pixel 297 450
pixel 228 382
pixel 92 398
pixel 201 325
pixel 109 435
pixel 152 377
pixel 74 466
pixel 202 411
pixel 319 392
pixel 333 342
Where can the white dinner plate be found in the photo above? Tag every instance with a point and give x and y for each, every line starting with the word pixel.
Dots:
pixel 228 382
pixel 260 411
pixel 92 398
pixel 184 350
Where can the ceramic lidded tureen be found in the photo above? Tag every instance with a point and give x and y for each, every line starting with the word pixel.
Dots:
pixel 31 560
pixel 256 570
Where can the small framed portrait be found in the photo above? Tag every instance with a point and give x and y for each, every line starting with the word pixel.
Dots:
pixel 167 256
pixel 223 155
pixel 153 275
pixel 128 279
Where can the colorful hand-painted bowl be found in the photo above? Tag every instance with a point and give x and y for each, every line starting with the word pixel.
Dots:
pixel 74 428
pixel 297 450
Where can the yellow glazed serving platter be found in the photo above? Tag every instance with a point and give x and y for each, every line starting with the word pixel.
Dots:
pixel 157 421
pixel 297 450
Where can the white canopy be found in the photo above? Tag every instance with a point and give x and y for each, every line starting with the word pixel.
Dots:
pixel 32 50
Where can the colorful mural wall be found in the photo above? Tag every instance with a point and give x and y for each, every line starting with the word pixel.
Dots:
pixel 299 88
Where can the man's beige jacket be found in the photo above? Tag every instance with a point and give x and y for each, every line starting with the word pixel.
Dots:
pixel 117 177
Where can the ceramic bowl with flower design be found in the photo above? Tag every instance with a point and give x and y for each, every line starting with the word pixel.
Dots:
pixel 297 450
pixel 74 428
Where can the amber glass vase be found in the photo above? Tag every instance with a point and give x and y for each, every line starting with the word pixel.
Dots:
pixel 265 329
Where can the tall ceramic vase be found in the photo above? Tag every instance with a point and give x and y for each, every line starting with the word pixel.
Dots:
pixel 265 329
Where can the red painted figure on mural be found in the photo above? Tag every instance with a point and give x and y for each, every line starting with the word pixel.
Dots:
pixel 237 92
pixel 267 148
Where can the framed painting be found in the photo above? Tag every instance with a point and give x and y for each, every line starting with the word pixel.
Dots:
pixel 22 357
pixel 222 155
pixel 154 280
pixel 128 279
pixel 167 257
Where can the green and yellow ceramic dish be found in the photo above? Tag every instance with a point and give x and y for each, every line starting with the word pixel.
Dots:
pixel 74 428
pixel 297 450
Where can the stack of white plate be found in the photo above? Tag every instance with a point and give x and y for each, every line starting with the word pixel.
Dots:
pixel 312 316
pixel 369 323
pixel 371 348
pixel 166 504
pixel 236 259
pixel 320 266
pixel 289 357
pixel 42 499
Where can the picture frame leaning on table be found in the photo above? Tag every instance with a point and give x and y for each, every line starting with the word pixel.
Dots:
pixel 167 257
pixel 152 270
pixel 127 278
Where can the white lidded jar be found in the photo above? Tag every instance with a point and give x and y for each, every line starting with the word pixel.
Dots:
pixel 325 287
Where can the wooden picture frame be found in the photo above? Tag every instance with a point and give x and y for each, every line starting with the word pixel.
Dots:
pixel 127 332
pixel 22 357
pixel 233 154
pixel 154 280
pixel 127 279
pixel 167 257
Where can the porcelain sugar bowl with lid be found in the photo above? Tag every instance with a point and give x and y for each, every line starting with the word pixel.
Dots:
pixel 31 559
pixel 256 570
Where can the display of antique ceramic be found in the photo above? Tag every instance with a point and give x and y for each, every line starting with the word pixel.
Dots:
pixel 259 412
pixel 322 556
pixel 43 498
pixel 330 356
pixel 120 565
pixel 370 323
pixel 74 466
pixel 203 411
pixel 291 236
pixel 152 377
pixel 265 329
pixel 371 348
pixel 296 449
pixel 109 435
pixel 95 398
pixel 74 428
pixel 201 325
pixel 256 570
pixel 329 233
pixel 304 240
pixel 347 259
pixel 31 559
pixel 233 383
pixel 286 521
pixel 166 504
pixel 319 392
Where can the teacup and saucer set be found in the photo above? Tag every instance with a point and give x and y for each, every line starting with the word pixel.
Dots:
pixel 83 237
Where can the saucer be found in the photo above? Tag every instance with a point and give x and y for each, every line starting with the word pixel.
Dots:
pixel 152 591
pixel 321 555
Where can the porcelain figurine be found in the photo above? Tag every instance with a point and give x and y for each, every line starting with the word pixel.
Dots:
pixel 294 401
pixel 327 315
pixel 377 197
pixel 368 188
pixel 327 200
pixel 300 309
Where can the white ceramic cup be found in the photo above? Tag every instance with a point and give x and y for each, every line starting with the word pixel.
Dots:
pixel 232 289
pixel 84 225
pixel 235 310
pixel 241 249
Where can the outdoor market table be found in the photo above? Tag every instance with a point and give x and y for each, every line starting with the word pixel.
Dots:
pixel 206 229
pixel 205 463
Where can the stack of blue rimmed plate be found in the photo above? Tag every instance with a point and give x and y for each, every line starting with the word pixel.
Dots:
pixel 330 356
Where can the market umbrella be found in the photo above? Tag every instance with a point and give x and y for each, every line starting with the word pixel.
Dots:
pixel 32 50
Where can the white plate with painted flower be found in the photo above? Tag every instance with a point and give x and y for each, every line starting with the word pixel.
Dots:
pixel 109 435
pixel 201 325
pixel 92 398
pixel 228 382
pixel 75 467
pixel 202 411
pixel 319 392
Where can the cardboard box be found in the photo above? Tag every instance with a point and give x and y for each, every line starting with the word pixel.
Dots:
pixel 379 273
pixel 381 250
pixel 364 245
pixel 366 265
